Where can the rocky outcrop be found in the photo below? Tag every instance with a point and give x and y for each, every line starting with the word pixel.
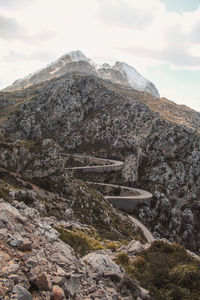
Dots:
pixel 101 262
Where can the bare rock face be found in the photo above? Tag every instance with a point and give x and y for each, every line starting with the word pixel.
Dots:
pixel 101 262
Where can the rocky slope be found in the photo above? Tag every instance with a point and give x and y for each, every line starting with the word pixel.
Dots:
pixel 37 264
pixel 76 61
pixel 49 255
pixel 44 211
pixel 42 164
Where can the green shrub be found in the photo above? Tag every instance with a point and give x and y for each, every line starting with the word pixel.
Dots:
pixel 123 259
pixel 80 242
pixel 186 276
pixel 166 270
pixel 112 245
pixel 4 194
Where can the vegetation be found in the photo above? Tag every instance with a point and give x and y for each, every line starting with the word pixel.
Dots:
pixel 6 184
pixel 26 143
pixel 7 111
pixel 166 270
pixel 4 194
pixel 91 208
pixel 79 241
pixel 86 241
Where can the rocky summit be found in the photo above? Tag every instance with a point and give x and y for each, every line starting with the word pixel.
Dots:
pixel 76 138
pixel 76 61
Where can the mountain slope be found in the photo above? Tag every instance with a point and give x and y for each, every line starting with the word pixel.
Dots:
pixel 76 61
pixel 86 114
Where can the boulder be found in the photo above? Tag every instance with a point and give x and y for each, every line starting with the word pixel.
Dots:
pixel 26 245
pixel 43 282
pixel 72 284
pixel 101 263
pixel 58 293
pixel 134 247
pixel 20 293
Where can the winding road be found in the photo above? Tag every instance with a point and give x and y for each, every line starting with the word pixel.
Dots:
pixel 128 198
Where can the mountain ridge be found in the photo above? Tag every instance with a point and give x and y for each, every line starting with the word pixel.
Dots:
pixel 120 72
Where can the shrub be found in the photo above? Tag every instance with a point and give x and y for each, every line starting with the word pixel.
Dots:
pixel 129 284
pixel 112 246
pixel 123 259
pixel 80 242
pixel 140 262
pixel 166 270
pixel 186 276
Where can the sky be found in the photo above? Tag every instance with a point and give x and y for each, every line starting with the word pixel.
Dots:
pixel 160 38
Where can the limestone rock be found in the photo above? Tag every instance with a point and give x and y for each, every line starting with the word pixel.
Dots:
pixel 76 61
pixel 72 285
pixel 134 248
pixel 101 263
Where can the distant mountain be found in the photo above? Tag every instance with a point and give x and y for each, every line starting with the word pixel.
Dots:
pixel 76 61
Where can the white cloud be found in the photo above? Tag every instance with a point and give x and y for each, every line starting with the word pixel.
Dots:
pixel 43 56
pixel 170 38
pixel 176 56
pixel 142 33
pixel 10 29
pixel 15 4
pixel 130 14
pixel 105 28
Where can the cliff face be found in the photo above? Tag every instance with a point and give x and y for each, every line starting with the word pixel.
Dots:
pixel 85 114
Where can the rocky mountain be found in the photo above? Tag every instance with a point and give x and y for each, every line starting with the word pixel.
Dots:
pixel 76 61
pixel 85 114
pixel 75 244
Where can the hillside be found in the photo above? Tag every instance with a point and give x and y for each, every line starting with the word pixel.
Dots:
pixel 157 140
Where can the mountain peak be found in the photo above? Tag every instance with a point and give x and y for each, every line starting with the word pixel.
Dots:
pixel 77 61
pixel 135 79
pixel 76 55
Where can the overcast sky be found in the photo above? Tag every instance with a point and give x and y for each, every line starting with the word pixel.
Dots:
pixel 160 38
